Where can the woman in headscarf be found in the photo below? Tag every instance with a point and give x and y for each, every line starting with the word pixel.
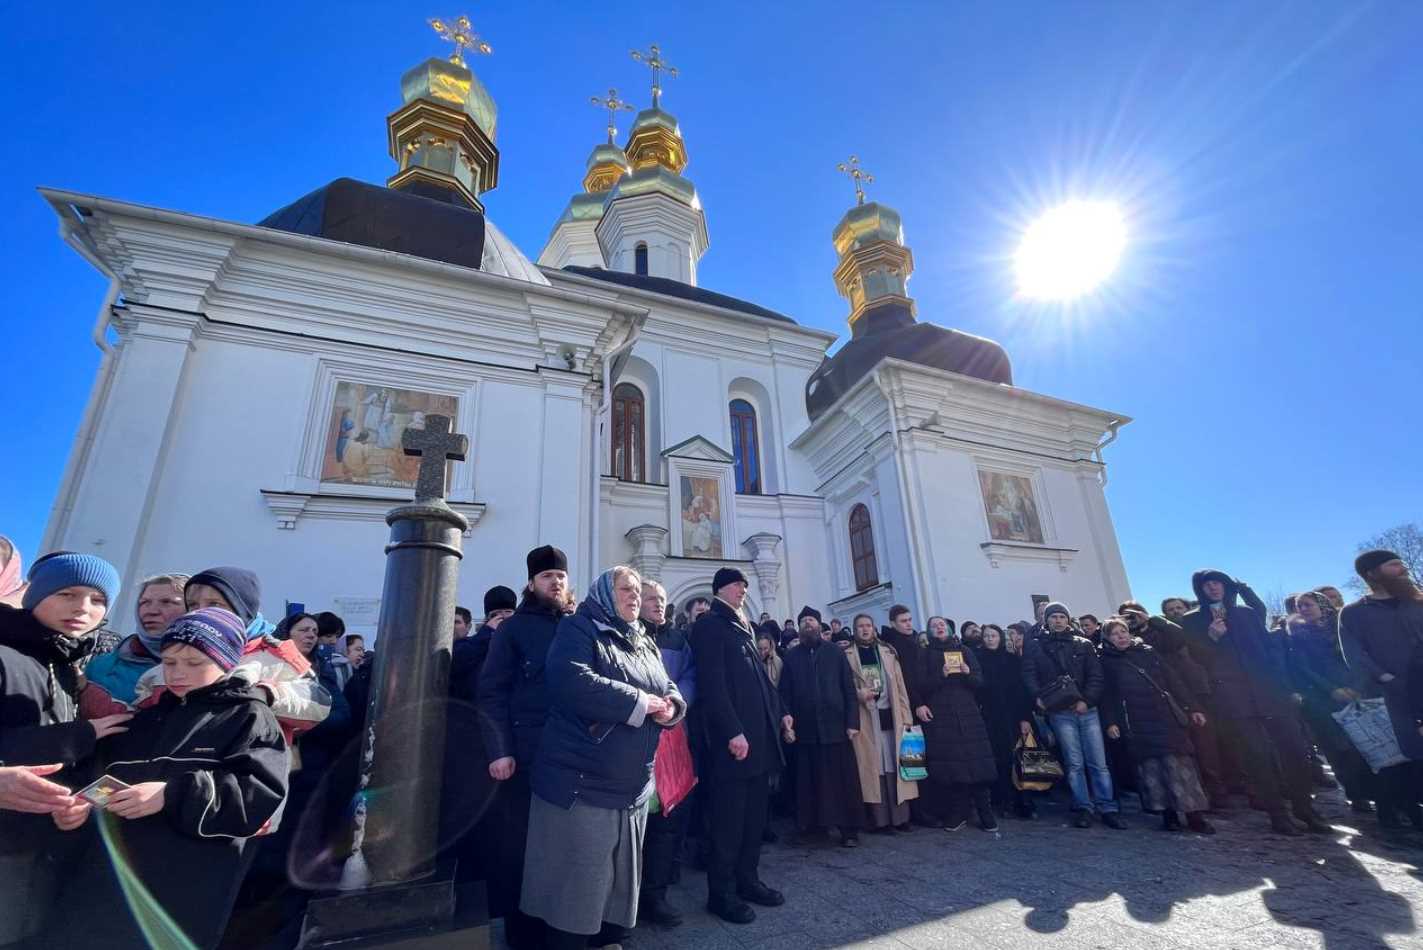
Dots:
pixel 884 715
pixel 12 573
pixel 958 755
pixel 609 700
pixel 1008 713
pixel 113 677
pixel 1322 681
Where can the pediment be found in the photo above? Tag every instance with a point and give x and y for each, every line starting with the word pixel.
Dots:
pixel 701 449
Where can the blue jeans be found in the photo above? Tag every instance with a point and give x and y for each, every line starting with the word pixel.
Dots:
pixel 1084 756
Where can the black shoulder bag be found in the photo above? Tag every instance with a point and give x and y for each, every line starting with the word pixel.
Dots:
pixel 1177 712
pixel 1062 693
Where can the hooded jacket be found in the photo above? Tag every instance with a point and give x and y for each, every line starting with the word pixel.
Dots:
pixel 513 692
pixel 39 708
pixel 598 741
pixel 223 759
pixel 1245 667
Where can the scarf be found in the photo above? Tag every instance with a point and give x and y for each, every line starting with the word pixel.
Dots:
pixel 602 606
pixel 12 575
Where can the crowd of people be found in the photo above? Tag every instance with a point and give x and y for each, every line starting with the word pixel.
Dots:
pixel 209 756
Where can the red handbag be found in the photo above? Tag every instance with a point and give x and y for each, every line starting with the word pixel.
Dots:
pixel 672 770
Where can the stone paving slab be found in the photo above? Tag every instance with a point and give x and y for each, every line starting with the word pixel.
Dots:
pixel 1047 885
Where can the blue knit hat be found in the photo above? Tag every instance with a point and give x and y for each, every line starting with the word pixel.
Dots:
pixel 216 632
pixel 53 574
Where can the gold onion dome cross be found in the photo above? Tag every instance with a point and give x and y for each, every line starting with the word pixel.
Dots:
pixel 858 175
pixel 461 33
pixel 614 105
pixel 653 60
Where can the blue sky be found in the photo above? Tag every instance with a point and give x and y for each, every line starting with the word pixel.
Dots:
pixel 1261 330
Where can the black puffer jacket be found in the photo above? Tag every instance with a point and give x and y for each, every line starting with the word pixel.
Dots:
pixel 222 757
pixel 39 693
pixel 818 691
pixel 1246 666
pixel 956 742
pixel 596 676
pixel 1137 707
pixel 513 694
pixel 1059 653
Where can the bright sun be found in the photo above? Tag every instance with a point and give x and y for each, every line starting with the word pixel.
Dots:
pixel 1070 250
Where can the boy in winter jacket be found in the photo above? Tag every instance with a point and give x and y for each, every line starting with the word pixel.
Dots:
pixel 275 668
pixel 199 772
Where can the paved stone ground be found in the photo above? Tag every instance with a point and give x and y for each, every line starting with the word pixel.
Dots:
pixel 1045 884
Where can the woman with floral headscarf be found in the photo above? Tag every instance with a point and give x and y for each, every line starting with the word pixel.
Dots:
pixel 609 700
pixel 1322 680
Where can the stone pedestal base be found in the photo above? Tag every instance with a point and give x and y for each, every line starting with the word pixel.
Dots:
pixel 419 916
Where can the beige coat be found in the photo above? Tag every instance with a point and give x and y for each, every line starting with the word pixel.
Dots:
pixel 867 750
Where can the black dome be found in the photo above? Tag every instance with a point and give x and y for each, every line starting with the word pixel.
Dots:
pixel 890 330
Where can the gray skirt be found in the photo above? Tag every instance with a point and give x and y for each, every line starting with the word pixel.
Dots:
pixel 583 865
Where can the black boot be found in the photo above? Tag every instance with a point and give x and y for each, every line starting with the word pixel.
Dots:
pixel 1312 822
pixel 1196 821
pixel 1169 821
pixel 1282 824
pixel 654 907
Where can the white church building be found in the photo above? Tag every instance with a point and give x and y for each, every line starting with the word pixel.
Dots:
pixel 256 380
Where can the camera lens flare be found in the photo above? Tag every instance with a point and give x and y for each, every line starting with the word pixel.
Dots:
pixel 1070 250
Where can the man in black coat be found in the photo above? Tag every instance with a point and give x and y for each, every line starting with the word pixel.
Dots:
pixel 1245 665
pixel 1077 726
pixel 740 716
pixel 818 693
pixel 513 705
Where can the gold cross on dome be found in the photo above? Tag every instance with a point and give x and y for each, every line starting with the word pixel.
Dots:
pixel 461 33
pixel 614 105
pixel 653 60
pixel 858 175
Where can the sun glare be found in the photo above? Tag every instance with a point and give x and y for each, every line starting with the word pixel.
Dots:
pixel 1070 250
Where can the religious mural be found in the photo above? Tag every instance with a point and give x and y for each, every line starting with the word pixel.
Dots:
pixel 1012 512
pixel 363 444
pixel 701 517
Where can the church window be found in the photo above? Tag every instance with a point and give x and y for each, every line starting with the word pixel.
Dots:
pixel 745 447
pixel 862 548
pixel 628 432
pixel 639 258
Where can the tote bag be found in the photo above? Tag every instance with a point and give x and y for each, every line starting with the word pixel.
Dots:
pixel 1366 723
pixel 911 755
pixel 672 773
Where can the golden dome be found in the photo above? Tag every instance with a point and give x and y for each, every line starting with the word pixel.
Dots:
pixel 442 81
pixel 654 179
pixel 606 165
pixel 656 139
pixel 865 224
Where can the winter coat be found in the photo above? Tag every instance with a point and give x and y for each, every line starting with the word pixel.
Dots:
pixel 319 746
pixel 956 742
pixel 112 679
pixel 867 742
pixel 1170 639
pixel 298 699
pixel 598 741
pixel 1316 665
pixel 1058 653
pixel 734 695
pixel 678 659
pixel 818 692
pixel 1003 698
pixel 1386 636
pixel 1138 709
pixel 513 694
pixel 467 658
pixel 39 724
pixel 906 647
pixel 222 756
pixel 1245 667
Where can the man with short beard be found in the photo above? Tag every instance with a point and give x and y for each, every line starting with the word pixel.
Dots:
pixel 513 705
pixel 1174 608
pixel 1381 635
pixel 818 693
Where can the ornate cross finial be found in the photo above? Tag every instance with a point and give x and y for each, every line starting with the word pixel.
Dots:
pixel 858 175
pixel 435 444
pixel 614 105
pixel 653 60
pixel 461 33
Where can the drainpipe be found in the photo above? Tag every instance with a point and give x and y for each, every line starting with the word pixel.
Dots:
pixel 1112 428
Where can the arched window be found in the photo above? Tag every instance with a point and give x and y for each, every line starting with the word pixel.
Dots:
pixel 629 413
pixel 745 447
pixel 862 548
pixel 639 260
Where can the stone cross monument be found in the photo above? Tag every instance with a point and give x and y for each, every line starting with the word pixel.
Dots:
pixel 393 891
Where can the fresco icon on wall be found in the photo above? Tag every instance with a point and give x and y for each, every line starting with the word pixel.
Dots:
pixel 701 517
pixel 363 444
pixel 1012 512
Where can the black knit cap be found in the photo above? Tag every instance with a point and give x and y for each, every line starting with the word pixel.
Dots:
pixel 808 612
pixel 546 558
pixel 500 598
pixel 238 586
pixel 1370 560
pixel 725 576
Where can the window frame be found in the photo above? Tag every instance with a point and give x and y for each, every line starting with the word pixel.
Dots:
pixel 864 564
pixel 631 438
pixel 747 469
